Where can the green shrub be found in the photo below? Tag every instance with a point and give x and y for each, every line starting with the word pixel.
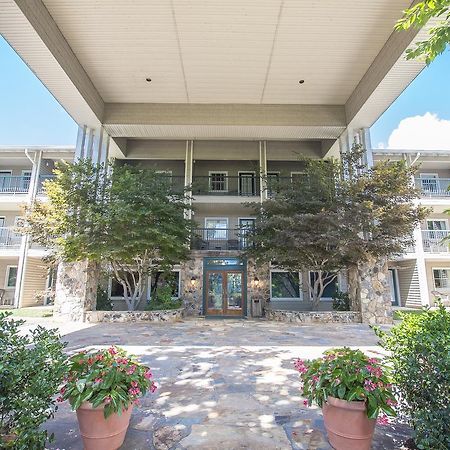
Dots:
pixel 31 370
pixel 163 300
pixel 104 303
pixel 420 360
pixel 341 301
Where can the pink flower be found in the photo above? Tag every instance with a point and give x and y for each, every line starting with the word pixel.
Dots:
pixel 315 378
pixel 148 374
pixel 153 388
pixel 375 371
pixel 136 401
pixel 299 364
pixel 99 357
pixel 337 381
pixel 383 420
pixel 108 400
pixel 62 390
pixel 305 402
pixel 112 351
pixel 369 385
pixel 131 370
pixel 90 361
pixel 59 399
pixel 391 402
pixel 98 380
pixel 373 360
pixel 134 384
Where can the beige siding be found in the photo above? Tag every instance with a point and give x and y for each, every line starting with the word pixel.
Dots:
pixel 429 265
pixel 34 283
pixel 8 296
pixel 16 170
pixel 408 280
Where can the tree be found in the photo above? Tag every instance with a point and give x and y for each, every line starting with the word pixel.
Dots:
pixel 126 218
pixel 439 35
pixel 339 214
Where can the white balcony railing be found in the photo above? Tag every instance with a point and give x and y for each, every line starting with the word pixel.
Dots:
pixel 8 238
pixel 434 187
pixel 10 184
pixel 435 241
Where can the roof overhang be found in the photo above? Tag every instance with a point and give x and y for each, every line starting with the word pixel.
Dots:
pixel 60 41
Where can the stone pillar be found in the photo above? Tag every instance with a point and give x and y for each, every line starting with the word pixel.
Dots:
pixel 192 285
pixel 257 291
pixel 76 290
pixel 375 301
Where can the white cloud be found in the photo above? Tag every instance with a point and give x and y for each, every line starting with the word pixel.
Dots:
pixel 426 132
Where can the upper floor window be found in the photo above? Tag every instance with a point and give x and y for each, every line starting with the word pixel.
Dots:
pixel 218 181
pixel 429 182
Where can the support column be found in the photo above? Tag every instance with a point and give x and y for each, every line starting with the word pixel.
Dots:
pixel 36 160
pixel 421 267
pixel 263 170
pixel 375 301
pixel 76 290
pixel 188 173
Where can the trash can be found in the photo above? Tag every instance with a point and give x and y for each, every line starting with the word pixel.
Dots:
pixel 256 307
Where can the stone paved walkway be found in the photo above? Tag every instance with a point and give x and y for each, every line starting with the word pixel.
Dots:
pixel 222 384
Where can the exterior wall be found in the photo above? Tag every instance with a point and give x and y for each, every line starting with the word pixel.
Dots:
pixel 292 150
pixel 177 167
pixel 8 296
pixel 16 170
pixel 430 265
pixel 156 149
pixel 226 150
pixel 34 283
pixel 441 173
pixel 10 217
pixel 408 280
pixel 203 167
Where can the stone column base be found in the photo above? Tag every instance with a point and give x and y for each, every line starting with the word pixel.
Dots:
pixel 76 290
pixel 375 301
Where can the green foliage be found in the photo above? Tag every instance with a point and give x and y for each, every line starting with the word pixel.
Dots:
pixel 348 375
pixel 104 303
pixel 124 217
pixel 439 35
pixel 163 299
pixel 336 215
pixel 31 370
pixel 341 301
pixel 106 377
pixel 420 358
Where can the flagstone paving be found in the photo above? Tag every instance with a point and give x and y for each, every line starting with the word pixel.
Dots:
pixel 221 384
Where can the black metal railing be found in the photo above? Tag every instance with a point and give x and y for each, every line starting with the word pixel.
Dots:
pixel 220 239
pixel 244 185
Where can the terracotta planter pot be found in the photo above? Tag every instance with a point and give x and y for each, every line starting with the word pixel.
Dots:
pixel 347 424
pixel 99 433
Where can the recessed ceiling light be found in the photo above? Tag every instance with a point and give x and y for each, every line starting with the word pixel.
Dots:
pixel 148 80
pixel 301 81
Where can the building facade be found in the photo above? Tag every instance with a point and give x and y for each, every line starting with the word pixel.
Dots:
pixel 25 279
pixel 421 275
pixel 217 90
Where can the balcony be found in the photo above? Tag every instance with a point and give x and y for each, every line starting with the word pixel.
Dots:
pixel 244 185
pixel 10 184
pixel 433 187
pixel 219 239
pixel 9 239
pixel 434 241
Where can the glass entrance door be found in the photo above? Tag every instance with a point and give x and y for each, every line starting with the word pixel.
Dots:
pixel 224 293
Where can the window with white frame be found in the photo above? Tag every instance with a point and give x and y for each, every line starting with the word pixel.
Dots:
pixel 284 285
pixel 11 277
pixel 162 279
pixel 216 228
pixel 218 181
pixel 441 278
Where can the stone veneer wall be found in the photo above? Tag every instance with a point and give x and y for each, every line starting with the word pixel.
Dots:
pixel 76 290
pixel 166 315
pixel 374 297
pixel 260 293
pixel 313 317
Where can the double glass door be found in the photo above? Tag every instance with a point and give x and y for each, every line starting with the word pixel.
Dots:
pixel 224 292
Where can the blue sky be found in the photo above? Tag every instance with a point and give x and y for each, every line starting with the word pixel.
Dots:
pixel 29 115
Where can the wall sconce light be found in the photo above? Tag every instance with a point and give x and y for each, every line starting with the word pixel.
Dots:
pixel 256 281
pixel 193 281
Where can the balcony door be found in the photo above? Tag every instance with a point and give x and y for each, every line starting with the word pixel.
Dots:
pixel 247 184
pixel 429 182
